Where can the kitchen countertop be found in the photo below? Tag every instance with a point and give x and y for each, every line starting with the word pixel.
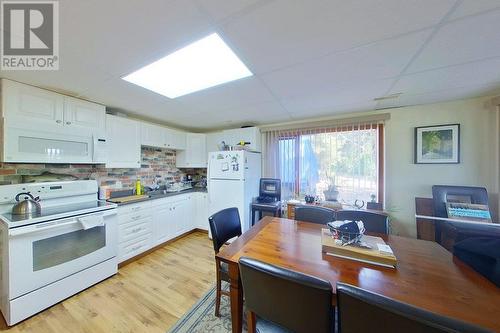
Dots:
pixel 160 196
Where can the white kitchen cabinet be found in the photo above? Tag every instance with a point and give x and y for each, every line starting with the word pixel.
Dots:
pixel 195 155
pixel 135 230
pixel 83 114
pixel 249 134
pixel 201 210
pixel 24 104
pixel 124 142
pixel 163 221
pixel 182 216
pixel 33 108
pixel 162 137
pixel 175 139
pixel 152 135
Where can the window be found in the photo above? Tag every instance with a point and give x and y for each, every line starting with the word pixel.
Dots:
pixel 348 158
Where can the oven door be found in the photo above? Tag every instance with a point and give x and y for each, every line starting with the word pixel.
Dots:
pixel 43 253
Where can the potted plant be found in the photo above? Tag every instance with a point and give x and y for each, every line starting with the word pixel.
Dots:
pixel 332 193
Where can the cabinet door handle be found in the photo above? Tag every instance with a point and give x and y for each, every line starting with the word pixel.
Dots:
pixel 68 123
pixel 58 121
pixel 135 248
pixel 136 230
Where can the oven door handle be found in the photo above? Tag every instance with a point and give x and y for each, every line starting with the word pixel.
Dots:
pixel 42 228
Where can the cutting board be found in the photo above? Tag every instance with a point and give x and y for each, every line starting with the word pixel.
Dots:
pixel 129 198
pixel 372 255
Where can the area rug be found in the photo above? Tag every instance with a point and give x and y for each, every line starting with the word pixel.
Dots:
pixel 201 317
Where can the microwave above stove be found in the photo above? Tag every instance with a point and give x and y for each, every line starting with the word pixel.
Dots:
pixel 37 146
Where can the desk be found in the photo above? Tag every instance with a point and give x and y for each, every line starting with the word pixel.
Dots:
pixel 427 276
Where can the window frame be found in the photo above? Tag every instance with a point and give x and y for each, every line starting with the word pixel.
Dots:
pixel 380 155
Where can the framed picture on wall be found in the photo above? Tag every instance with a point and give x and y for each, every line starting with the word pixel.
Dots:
pixel 437 144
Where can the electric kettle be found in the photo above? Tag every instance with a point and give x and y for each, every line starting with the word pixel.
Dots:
pixel 27 206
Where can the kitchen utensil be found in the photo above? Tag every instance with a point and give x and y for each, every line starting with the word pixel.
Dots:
pixel 28 206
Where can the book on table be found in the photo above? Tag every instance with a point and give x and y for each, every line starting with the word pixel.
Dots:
pixel 377 252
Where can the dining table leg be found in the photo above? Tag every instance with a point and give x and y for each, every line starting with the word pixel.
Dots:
pixel 236 296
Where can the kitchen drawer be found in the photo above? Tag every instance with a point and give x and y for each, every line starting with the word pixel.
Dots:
pixel 136 229
pixel 136 216
pixel 134 208
pixel 137 246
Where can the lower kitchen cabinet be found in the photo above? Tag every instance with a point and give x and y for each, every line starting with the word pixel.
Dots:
pixel 201 211
pixel 147 224
pixel 135 230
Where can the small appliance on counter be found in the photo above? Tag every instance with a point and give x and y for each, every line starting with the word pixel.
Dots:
pixel 27 207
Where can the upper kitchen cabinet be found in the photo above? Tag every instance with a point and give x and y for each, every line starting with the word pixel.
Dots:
pixel 195 154
pixel 162 137
pixel 83 114
pixel 29 107
pixel 153 135
pixel 23 104
pixel 124 142
pixel 176 139
pixel 248 134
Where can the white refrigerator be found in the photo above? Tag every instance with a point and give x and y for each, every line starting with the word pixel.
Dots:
pixel 233 181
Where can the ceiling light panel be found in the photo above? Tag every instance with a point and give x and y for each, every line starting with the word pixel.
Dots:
pixel 205 63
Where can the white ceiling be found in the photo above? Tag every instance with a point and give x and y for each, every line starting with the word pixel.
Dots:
pixel 310 57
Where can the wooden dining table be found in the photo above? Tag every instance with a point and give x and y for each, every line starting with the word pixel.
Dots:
pixel 427 275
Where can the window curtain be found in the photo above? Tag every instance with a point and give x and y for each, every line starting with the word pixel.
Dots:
pixel 311 159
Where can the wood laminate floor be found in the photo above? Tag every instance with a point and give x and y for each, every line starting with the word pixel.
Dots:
pixel 147 295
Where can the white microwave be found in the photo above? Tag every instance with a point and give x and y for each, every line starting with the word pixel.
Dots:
pixel 33 146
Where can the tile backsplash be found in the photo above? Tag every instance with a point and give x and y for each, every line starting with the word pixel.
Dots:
pixel 156 164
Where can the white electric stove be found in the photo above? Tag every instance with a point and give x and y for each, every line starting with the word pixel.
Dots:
pixel 69 246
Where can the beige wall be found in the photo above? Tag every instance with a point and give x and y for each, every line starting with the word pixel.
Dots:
pixel 478 120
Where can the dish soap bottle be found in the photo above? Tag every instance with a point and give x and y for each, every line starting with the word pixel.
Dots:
pixel 138 187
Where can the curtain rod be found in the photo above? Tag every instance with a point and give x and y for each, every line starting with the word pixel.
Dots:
pixel 329 122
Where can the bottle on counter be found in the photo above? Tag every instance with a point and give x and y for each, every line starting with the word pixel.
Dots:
pixel 138 187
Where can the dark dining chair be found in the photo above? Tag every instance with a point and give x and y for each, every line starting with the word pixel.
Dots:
pixel 224 225
pixel 292 300
pixel 373 222
pixel 359 310
pixel 314 214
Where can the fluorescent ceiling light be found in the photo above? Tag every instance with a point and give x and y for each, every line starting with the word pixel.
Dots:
pixel 205 63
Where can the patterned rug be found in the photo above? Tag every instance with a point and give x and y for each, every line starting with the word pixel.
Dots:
pixel 201 318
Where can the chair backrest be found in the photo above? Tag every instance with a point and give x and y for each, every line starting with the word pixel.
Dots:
pixel 363 311
pixel 314 214
pixel 444 193
pixel 224 225
pixel 270 187
pixel 373 222
pixel 298 302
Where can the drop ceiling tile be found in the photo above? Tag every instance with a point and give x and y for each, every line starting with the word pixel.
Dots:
pixel 450 94
pixel 325 100
pixel 476 73
pixel 461 41
pixel 116 93
pixel 356 66
pixel 119 37
pixel 230 95
pixel 286 32
pixel 260 113
pixel 221 9
pixel 335 110
pixel 470 7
